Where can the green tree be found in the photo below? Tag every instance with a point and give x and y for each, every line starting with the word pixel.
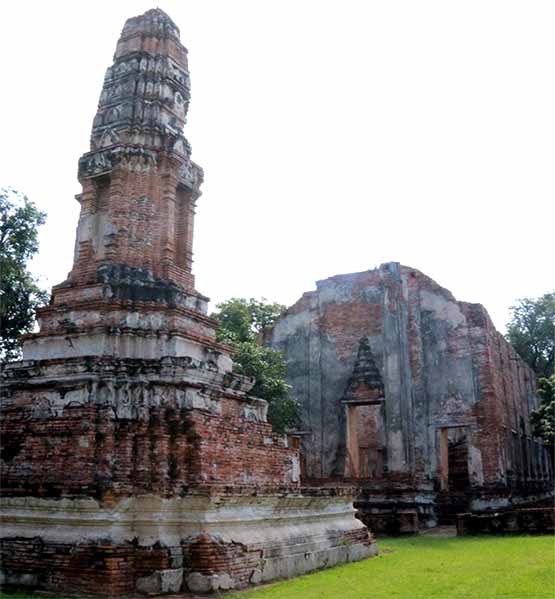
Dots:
pixel 241 324
pixel 243 320
pixel 531 331
pixel 19 293
pixel 543 419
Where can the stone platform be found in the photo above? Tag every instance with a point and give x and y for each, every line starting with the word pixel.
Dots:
pixel 124 475
pixel 200 543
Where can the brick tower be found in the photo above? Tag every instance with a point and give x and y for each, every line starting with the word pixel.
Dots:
pixel 131 292
pixel 139 184
pixel 132 458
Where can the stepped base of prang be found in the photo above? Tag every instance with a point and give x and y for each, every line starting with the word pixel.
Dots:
pixel 198 543
pixel 126 475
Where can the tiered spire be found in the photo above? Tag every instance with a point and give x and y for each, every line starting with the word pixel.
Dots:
pixel 131 290
pixel 139 183
pixel 365 385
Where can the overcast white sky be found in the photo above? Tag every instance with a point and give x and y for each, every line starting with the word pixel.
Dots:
pixel 334 136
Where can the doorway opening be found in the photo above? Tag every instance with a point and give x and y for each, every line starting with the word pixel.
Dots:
pixel 453 459
pixel 364 442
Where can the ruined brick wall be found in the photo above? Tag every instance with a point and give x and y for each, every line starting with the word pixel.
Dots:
pixel 537 520
pixel 110 441
pixel 92 568
pixel 510 454
pixel 444 368
pixel 220 455
pixel 151 441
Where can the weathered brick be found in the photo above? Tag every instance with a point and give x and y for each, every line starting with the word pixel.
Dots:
pixel 132 456
pixel 389 368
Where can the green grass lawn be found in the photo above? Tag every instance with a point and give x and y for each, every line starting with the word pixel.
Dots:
pixel 508 567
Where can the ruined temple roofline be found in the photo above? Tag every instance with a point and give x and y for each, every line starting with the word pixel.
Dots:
pixel 475 314
pixel 386 268
pixel 389 267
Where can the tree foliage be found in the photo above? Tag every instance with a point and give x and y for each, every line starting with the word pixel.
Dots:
pixel 543 419
pixel 241 322
pixel 531 331
pixel 19 293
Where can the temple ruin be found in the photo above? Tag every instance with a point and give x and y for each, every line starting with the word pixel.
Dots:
pixel 412 396
pixel 132 457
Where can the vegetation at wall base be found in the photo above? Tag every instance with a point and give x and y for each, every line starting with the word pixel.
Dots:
pixel 241 324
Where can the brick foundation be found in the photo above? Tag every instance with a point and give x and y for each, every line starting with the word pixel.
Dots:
pixel 540 520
